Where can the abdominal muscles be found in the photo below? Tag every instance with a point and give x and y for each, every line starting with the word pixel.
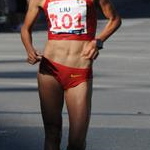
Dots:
pixel 67 52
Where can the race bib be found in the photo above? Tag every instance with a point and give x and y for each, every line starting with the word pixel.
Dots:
pixel 67 16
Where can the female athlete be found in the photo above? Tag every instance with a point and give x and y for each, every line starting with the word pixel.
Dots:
pixel 65 70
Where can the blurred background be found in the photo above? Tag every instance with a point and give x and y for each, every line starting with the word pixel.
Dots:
pixel 12 14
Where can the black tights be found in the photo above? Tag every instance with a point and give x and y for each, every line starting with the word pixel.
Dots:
pixel 78 101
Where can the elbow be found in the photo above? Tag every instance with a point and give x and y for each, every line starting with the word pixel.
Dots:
pixel 25 29
pixel 115 22
pixel 22 30
pixel 119 21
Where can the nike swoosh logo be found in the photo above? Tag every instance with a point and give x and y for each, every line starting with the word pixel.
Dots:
pixel 75 75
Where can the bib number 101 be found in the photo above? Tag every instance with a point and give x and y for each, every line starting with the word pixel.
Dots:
pixel 66 21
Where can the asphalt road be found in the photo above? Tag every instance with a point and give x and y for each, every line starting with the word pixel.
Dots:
pixel 120 117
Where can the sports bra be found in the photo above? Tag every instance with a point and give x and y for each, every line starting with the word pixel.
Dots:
pixel 70 19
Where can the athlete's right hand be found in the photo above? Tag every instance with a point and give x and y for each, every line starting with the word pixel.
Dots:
pixel 34 56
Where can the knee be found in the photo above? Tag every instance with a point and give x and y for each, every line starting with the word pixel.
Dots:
pixel 76 145
pixel 53 131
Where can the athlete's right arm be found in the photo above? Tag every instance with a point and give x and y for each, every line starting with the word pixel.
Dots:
pixel 26 31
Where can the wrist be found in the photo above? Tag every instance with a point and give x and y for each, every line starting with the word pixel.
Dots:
pixel 99 44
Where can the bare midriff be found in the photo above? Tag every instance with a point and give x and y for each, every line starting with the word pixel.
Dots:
pixel 67 53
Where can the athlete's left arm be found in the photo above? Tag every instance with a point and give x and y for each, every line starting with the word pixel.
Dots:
pixel 114 20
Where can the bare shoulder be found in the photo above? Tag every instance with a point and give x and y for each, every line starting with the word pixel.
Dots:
pixel 103 2
pixel 42 2
pixel 36 3
pixel 106 4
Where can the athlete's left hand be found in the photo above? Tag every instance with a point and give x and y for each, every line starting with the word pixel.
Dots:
pixel 90 51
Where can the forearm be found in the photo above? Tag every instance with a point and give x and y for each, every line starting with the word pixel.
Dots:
pixel 114 20
pixel 27 39
pixel 112 25
pixel 26 34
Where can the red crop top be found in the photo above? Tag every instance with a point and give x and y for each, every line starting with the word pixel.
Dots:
pixel 70 19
